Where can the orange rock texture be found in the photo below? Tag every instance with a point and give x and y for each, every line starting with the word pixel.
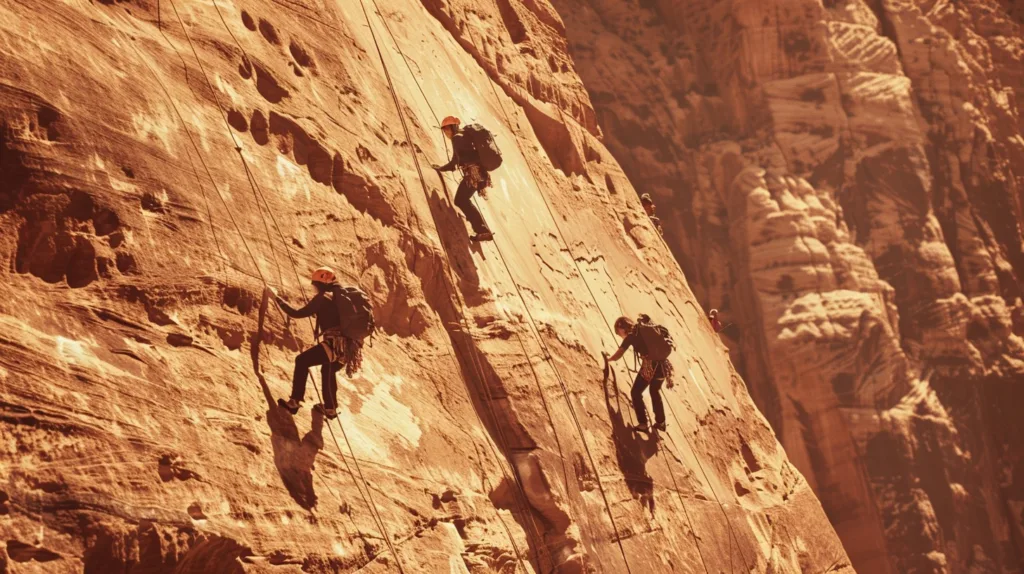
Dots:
pixel 161 161
pixel 843 180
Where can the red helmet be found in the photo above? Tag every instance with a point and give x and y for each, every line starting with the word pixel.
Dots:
pixel 450 121
pixel 323 275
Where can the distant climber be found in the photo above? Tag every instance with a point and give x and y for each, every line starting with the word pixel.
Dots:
pixel 476 154
pixel 344 318
pixel 653 344
pixel 716 324
pixel 650 208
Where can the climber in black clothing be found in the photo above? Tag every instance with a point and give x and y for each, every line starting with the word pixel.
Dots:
pixel 652 373
pixel 329 354
pixel 475 177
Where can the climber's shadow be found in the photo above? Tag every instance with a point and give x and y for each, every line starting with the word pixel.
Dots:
pixel 293 457
pixel 631 452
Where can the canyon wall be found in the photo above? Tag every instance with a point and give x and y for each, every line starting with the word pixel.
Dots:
pixel 163 161
pixel 843 180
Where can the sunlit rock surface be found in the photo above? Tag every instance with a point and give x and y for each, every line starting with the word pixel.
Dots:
pixel 843 180
pixel 160 161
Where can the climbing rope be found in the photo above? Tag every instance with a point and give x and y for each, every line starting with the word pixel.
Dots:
pixel 234 141
pixel 223 258
pixel 206 167
pixel 548 355
pixel 596 302
pixel 453 294
pixel 568 249
pixel 675 486
pixel 522 344
pixel 258 195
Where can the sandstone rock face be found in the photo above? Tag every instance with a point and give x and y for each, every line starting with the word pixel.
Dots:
pixel 843 180
pixel 163 160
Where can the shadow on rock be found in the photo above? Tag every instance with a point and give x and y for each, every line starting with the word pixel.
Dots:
pixel 631 453
pixel 456 243
pixel 293 457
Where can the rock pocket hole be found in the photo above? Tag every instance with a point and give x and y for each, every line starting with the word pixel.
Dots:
pixel 105 222
pixel 48 121
pixel 21 552
pixel 269 32
pixel 258 125
pixel 245 69
pixel 300 55
pixel 268 86
pixel 196 511
pixel 238 121
pixel 248 21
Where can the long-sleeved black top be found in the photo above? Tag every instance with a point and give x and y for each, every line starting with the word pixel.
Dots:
pixel 633 340
pixel 463 153
pixel 322 306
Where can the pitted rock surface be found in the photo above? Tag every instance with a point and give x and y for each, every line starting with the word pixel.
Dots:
pixel 162 161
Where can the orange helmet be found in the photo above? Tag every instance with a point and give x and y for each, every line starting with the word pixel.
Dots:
pixel 323 275
pixel 450 121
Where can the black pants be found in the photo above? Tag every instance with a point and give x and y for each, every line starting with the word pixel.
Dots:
pixel 638 399
pixel 312 357
pixel 464 201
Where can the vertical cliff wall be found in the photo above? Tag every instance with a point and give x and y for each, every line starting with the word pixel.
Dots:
pixel 162 160
pixel 843 180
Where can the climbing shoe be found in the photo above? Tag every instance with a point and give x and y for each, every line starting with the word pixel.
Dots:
pixel 291 405
pixel 660 426
pixel 329 414
pixel 640 428
pixel 485 236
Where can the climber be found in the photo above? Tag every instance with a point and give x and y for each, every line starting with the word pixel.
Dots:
pixel 344 318
pixel 650 208
pixel 652 343
pixel 713 318
pixel 474 152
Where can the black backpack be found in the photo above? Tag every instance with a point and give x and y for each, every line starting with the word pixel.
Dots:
pixel 656 338
pixel 483 142
pixel 355 312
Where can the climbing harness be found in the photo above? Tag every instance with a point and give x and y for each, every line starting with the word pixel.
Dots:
pixel 548 356
pixel 457 296
pixel 258 196
pixel 573 257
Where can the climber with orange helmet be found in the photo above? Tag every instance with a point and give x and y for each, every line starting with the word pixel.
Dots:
pixel 342 333
pixel 474 152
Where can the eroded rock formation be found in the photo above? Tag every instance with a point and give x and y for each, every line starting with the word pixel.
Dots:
pixel 843 180
pixel 162 160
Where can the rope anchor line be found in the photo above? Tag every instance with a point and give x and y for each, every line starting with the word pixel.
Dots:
pixel 259 196
pixel 535 329
pixel 548 356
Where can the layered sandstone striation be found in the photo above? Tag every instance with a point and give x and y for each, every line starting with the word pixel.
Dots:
pixel 161 161
pixel 844 181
